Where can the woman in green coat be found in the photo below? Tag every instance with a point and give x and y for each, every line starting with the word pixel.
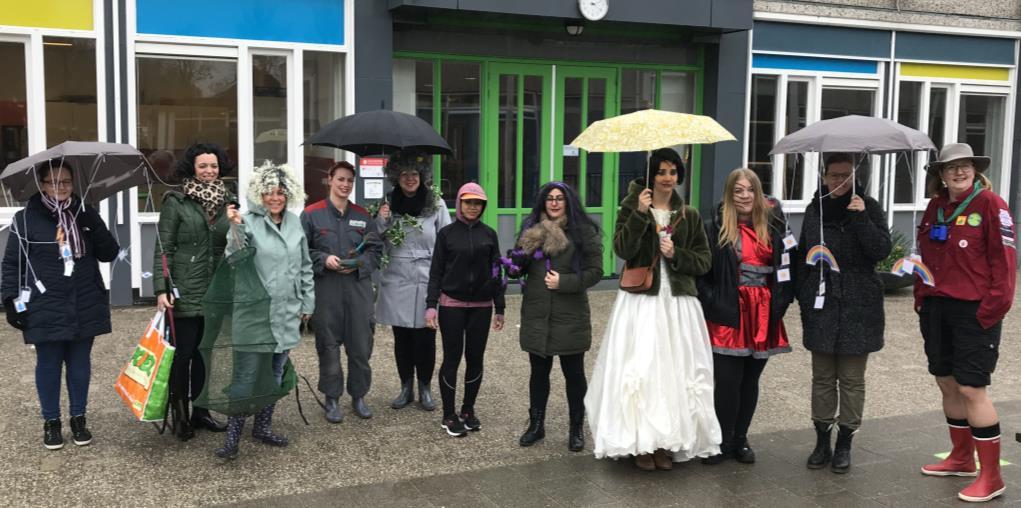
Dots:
pixel 559 253
pixel 192 235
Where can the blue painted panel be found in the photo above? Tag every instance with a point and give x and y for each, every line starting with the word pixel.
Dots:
pixel 803 63
pixel 954 48
pixel 821 40
pixel 312 21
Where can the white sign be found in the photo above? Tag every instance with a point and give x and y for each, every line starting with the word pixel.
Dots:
pixel 570 151
pixel 374 188
pixel 371 167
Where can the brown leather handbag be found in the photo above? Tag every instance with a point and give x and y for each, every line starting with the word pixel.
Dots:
pixel 638 279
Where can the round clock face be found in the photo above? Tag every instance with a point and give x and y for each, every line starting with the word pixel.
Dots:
pixel 593 10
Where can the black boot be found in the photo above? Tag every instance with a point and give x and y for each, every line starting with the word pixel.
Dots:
pixel 182 420
pixel 576 436
pixel 80 434
pixel 842 451
pixel 743 452
pixel 52 437
pixel 261 428
pixel 823 452
pixel 407 395
pixel 536 428
pixel 201 419
pixel 333 413
pixel 425 397
pixel 361 409
pixel 229 451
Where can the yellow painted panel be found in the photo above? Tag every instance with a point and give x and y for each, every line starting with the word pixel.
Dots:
pixel 66 14
pixel 954 71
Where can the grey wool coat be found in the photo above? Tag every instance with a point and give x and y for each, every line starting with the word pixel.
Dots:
pixel 405 280
pixel 557 321
pixel 851 321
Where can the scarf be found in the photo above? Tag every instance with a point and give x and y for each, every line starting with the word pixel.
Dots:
pixel 547 236
pixel 211 195
pixel 67 227
pixel 414 205
pixel 834 209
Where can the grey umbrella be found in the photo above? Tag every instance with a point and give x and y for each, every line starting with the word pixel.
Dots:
pixel 854 134
pixel 100 169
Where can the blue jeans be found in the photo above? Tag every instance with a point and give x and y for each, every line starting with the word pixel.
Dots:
pixel 279 360
pixel 51 357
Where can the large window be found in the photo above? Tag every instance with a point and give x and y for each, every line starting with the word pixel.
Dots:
pixel 269 108
pixel 907 172
pixel 70 68
pixel 980 123
pixel 322 82
pixel 761 128
pixel 796 117
pixel 182 101
pixel 838 102
pixel 13 109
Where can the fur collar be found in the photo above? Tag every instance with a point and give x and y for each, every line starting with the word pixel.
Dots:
pixel 547 235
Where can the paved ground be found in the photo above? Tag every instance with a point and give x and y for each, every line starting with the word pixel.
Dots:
pixel 402 458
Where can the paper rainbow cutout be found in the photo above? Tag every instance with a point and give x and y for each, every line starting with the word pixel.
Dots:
pixel 918 269
pixel 822 253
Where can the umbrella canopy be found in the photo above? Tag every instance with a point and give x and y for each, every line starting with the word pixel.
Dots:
pixel 854 134
pixel 100 169
pixel 650 129
pixel 380 132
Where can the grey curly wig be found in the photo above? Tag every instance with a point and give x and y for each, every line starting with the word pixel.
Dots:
pixel 410 160
pixel 269 176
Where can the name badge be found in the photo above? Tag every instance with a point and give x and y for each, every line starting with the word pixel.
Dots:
pixel 785 259
pixel 19 306
pixel 39 285
pixel 65 251
pixel 356 223
pixel 26 294
pixel 783 275
pixel 789 242
pixel 820 301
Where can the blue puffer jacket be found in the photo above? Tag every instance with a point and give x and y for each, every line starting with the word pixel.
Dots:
pixel 72 308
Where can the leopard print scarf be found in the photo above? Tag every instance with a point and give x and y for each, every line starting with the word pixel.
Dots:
pixel 211 195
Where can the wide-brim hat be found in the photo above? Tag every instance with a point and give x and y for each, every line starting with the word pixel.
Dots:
pixel 955 152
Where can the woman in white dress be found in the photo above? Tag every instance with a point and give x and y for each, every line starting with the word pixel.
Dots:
pixel 651 392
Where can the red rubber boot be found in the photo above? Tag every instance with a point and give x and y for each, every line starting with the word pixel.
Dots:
pixel 989 483
pixel 961 461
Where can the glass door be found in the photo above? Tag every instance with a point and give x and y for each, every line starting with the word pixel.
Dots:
pixel 585 95
pixel 517 143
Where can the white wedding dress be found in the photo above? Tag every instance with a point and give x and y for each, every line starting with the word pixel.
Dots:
pixel 652 386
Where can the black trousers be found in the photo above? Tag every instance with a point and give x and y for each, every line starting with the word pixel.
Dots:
pixel 188 372
pixel 415 350
pixel 736 393
pixel 465 330
pixel 573 367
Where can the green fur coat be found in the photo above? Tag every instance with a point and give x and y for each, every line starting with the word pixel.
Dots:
pixel 636 242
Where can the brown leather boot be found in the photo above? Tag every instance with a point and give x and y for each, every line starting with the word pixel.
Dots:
pixel 662 460
pixel 645 462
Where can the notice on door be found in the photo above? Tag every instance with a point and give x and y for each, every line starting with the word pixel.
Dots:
pixel 570 151
pixel 373 188
pixel 371 167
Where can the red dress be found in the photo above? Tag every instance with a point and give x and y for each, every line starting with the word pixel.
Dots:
pixel 754 336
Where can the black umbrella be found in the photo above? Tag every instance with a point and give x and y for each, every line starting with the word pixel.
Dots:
pixel 380 132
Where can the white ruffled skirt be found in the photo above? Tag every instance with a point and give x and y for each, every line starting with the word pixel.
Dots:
pixel 652 386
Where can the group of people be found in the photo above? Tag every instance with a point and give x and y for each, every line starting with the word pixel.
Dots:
pixel 677 374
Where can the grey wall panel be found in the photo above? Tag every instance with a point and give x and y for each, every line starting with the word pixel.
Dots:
pixel 373 61
pixel 725 90
pixel 822 40
pixel 954 48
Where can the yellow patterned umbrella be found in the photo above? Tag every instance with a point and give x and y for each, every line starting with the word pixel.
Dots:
pixel 650 129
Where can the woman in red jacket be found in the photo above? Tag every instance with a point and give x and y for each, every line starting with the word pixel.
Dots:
pixel 967 240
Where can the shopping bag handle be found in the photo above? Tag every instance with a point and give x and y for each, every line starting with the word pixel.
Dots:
pixel 169 311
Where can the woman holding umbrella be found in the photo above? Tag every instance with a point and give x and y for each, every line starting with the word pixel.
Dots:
pixel 651 391
pixel 53 292
pixel 967 239
pixel 418 211
pixel 192 235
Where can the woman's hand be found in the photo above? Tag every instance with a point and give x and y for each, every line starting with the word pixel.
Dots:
pixel 164 301
pixel 332 263
pixel 384 211
pixel 552 279
pixel 431 319
pixel 645 201
pixel 857 204
pixel 234 215
pixel 305 317
pixel 498 321
pixel 666 247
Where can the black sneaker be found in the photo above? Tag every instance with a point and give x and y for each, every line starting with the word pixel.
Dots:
pixel 52 439
pixel 454 427
pixel 79 434
pixel 470 421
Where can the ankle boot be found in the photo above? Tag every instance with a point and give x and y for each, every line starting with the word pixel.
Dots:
pixel 425 397
pixel 663 461
pixel 576 436
pixel 842 450
pixel 989 483
pixel 407 395
pixel 201 419
pixel 536 428
pixel 961 461
pixel 823 452
pixel 333 414
pixel 182 420
pixel 229 451
pixel 743 452
pixel 360 408
pixel 261 428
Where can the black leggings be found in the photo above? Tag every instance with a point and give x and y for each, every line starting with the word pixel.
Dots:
pixel 737 393
pixel 415 349
pixel 465 330
pixel 573 367
pixel 188 372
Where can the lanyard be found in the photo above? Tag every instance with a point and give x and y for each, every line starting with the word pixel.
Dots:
pixel 960 208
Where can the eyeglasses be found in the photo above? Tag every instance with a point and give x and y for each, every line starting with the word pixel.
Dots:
pixel 837 176
pixel 60 183
pixel 555 199
pixel 959 168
